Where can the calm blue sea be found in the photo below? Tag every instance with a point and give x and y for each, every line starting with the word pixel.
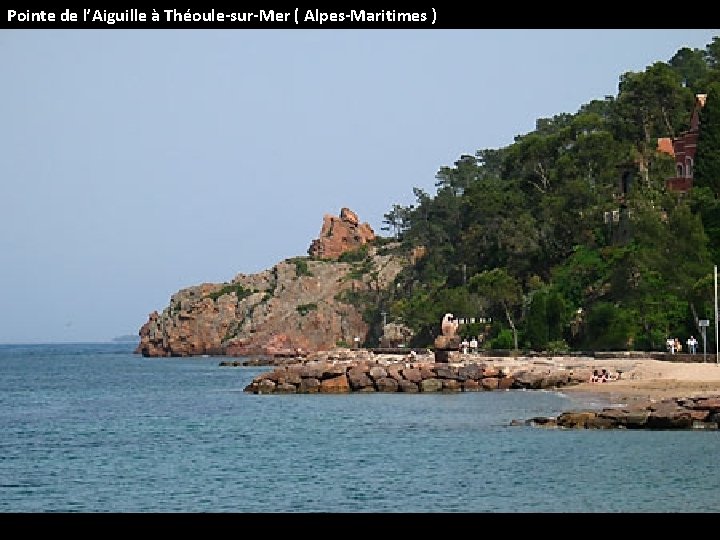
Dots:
pixel 93 428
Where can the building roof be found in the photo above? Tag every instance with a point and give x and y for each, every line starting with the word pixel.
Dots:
pixel 665 145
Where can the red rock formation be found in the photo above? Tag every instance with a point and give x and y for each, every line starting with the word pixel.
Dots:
pixel 297 304
pixel 193 325
pixel 268 314
pixel 340 235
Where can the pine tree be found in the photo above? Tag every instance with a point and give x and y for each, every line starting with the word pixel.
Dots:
pixel 707 157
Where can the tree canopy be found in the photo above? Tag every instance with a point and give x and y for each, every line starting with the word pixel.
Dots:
pixel 568 237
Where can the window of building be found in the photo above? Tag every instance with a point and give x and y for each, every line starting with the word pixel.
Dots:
pixel 689 167
pixel 680 170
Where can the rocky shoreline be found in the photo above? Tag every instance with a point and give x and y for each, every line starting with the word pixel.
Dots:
pixel 345 372
pixel 677 413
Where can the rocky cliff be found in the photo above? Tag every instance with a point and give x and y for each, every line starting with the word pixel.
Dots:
pixel 301 303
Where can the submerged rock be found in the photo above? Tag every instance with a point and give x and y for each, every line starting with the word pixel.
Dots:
pixel 701 412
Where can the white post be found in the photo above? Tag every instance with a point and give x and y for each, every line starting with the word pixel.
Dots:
pixel 717 346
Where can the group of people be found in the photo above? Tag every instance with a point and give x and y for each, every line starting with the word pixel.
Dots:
pixel 674 346
pixel 469 346
pixel 603 375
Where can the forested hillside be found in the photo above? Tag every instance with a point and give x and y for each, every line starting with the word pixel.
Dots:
pixel 567 238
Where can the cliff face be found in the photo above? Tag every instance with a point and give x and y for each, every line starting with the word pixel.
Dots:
pixel 297 304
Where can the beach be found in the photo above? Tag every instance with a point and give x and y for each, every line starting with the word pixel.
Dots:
pixel 646 379
pixel 641 378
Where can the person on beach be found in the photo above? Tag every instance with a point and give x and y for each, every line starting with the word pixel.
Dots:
pixel 474 345
pixel 595 376
pixel 670 342
pixel 692 344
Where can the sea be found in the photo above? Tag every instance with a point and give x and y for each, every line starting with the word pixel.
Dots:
pixel 93 428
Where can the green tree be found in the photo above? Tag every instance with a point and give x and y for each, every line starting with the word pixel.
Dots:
pixel 705 203
pixel 712 53
pixel 707 157
pixel 650 104
pixel 609 327
pixel 498 288
pixel 397 220
pixel 497 228
pixel 458 178
pixel 556 316
pixel 691 66
pixel 537 330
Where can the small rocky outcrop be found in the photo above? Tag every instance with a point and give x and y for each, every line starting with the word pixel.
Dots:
pixel 340 235
pixel 676 413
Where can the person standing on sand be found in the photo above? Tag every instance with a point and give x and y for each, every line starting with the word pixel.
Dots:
pixel 670 342
pixel 692 344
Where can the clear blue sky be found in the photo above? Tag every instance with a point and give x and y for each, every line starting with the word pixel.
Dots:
pixel 137 163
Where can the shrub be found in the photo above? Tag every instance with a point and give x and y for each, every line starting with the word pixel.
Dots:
pixel 556 347
pixel 504 340
pixel 306 308
pixel 301 268
pixel 239 290
pixel 354 256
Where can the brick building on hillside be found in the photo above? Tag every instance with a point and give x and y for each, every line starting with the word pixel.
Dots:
pixel 683 148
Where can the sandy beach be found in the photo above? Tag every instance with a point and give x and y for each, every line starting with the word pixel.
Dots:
pixel 647 379
pixel 641 378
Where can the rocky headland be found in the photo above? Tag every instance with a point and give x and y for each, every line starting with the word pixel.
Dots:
pixel 300 305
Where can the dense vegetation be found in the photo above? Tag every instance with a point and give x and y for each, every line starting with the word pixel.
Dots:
pixel 568 238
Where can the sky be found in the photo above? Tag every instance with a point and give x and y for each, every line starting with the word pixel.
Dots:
pixel 136 163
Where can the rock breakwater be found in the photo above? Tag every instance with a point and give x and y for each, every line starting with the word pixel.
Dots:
pixel 389 375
